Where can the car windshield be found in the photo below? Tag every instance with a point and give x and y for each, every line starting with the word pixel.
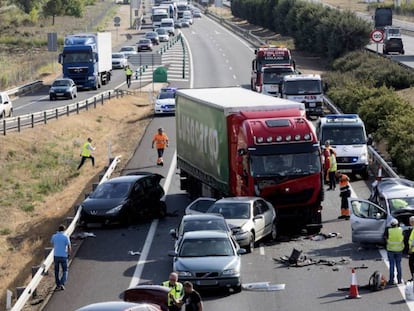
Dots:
pixel 61 83
pixel 144 41
pixel 297 164
pixel 231 210
pixel 164 95
pixel 161 31
pixel 117 56
pixel 401 203
pixel 127 49
pixel 303 87
pixel 343 135
pixel 206 247
pixel 275 75
pixel 204 224
pixel 110 190
pixel 151 34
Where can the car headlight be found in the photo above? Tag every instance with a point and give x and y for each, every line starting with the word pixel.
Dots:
pixel 239 230
pixel 51 91
pixel 230 272
pixel 91 78
pixel 115 210
pixel 184 273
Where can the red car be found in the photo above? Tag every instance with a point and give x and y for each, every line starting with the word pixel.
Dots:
pixel 138 298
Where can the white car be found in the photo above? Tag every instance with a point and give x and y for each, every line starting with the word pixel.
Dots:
pixel 165 102
pixel 128 50
pixel 250 218
pixel 6 105
pixel 119 60
pixel 163 34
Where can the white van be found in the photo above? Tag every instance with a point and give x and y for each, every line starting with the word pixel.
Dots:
pixel 168 24
pixel 188 16
pixel 346 134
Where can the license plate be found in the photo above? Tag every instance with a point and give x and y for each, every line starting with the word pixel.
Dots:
pixel 312 105
pixel 206 282
pixel 59 94
pixel 346 170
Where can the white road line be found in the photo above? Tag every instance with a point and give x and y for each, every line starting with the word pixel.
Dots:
pixel 261 250
pixel 151 233
pixel 234 77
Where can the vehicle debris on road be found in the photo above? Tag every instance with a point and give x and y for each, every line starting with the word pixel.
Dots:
pixel 83 235
pixel 296 260
pixel 132 253
pixel 263 286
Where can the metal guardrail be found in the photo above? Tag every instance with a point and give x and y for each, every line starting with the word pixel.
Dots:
pixel 31 287
pixel 30 120
pixel 25 88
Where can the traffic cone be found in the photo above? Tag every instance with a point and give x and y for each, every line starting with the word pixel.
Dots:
pixel 353 290
pixel 379 175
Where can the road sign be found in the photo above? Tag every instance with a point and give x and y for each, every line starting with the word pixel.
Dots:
pixel 52 41
pixel 117 19
pixel 145 59
pixel 377 35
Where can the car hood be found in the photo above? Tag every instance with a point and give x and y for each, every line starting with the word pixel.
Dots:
pixel 59 88
pixel 101 204
pixel 234 223
pixel 208 263
pixel 166 101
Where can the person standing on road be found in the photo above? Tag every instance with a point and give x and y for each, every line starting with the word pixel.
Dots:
pixel 176 291
pixel 161 142
pixel 86 153
pixel 332 170
pixel 344 193
pixel 411 249
pixel 128 74
pixel 395 245
pixel 326 164
pixel 61 251
pixel 191 298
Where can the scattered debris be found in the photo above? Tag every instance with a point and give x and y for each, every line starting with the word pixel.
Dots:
pixel 83 235
pixel 323 236
pixel 296 260
pixel 263 286
pixel 132 253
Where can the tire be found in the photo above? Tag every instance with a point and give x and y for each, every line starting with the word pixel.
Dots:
pixel 3 115
pixel 365 174
pixel 250 247
pixel 237 289
pixel 273 233
pixel 162 212
pixel 51 98
pixel 11 113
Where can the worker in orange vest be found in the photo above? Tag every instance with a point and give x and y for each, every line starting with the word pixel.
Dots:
pixel 161 142
pixel 344 193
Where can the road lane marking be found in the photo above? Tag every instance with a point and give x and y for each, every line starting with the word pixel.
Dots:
pixel 261 250
pixel 151 232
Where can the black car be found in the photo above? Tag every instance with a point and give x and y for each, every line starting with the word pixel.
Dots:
pixel 125 199
pixel 393 45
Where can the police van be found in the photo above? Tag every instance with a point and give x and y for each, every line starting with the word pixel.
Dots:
pixel 346 134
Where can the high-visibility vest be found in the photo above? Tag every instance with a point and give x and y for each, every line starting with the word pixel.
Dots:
pixel 176 291
pixel 344 183
pixel 411 240
pixel 395 241
pixel 160 140
pixel 86 150
pixel 128 71
pixel 332 163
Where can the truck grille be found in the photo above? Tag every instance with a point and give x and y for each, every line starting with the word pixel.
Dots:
pixel 207 274
pixel 293 198
pixel 347 159
pixel 78 70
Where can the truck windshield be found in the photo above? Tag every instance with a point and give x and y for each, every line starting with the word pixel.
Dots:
pixel 303 87
pixel 340 135
pixel 298 164
pixel 275 75
pixel 77 58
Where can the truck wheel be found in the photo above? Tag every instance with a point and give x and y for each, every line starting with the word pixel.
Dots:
pixel 365 174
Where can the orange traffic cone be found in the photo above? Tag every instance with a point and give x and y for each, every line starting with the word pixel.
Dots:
pixel 353 290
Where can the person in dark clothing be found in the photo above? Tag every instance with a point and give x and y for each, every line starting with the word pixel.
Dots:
pixel 191 298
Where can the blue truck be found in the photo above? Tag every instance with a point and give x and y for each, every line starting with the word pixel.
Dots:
pixel 87 59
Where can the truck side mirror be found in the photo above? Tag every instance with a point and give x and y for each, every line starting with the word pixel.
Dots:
pixel 370 140
pixel 60 59
pixel 241 152
pixel 325 87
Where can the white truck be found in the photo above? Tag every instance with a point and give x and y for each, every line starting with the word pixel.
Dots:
pixel 159 13
pixel 87 59
pixel 304 88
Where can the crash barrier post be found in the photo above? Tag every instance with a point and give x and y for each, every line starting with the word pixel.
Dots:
pixel 24 293
pixel 353 289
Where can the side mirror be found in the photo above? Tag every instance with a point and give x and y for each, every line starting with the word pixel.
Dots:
pixel 241 152
pixel 173 233
pixel 325 87
pixel 172 254
pixel 370 140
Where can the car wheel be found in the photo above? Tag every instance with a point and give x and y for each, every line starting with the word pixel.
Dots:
pixel 162 212
pixel 50 97
pixel 3 115
pixel 273 232
pixel 237 289
pixel 11 113
pixel 250 246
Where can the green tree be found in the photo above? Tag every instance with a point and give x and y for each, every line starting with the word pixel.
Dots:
pixel 53 8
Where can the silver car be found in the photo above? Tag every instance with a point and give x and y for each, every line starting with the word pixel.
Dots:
pixel 208 259
pixel 63 87
pixel 119 60
pixel 390 198
pixel 250 218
